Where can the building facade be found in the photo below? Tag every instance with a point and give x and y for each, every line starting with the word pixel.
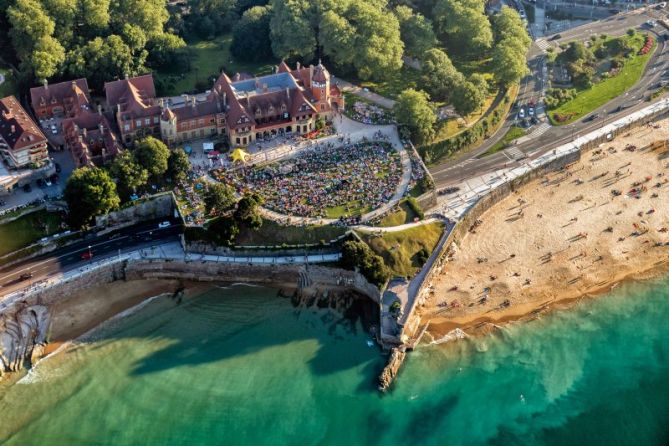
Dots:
pixel 22 143
pixel 241 110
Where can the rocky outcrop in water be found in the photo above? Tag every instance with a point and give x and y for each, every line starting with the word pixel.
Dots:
pixel 23 333
pixel 390 372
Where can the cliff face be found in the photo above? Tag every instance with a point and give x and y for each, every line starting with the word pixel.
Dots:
pixel 22 333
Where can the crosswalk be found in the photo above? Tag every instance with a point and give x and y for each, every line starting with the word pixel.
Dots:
pixel 514 153
pixel 540 130
pixel 542 44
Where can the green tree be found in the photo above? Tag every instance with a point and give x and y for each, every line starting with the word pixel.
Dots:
pixel 153 155
pixel 167 49
pixel 416 31
pixel 440 77
pixel 149 15
pixel 291 32
pixel 218 199
pixel 178 166
pixel 247 211
pixel 95 15
pixel 464 26
pixel 29 23
pixel 223 230
pixel 129 173
pixel 47 58
pixel 508 25
pixel 357 255
pixel 414 111
pixel 89 191
pixel 250 36
pixel 64 14
pixel 470 95
pixel 101 59
pixel 508 62
pixel 134 37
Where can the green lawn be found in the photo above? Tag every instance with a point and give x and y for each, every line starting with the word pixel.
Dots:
pixel 209 57
pixel 274 234
pixel 28 229
pixel 513 133
pixel 399 249
pixel 8 87
pixel 354 208
pixel 404 214
pixel 406 77
pixel 602 92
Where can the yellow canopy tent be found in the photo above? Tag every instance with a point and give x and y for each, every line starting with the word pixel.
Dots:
pixel 239 155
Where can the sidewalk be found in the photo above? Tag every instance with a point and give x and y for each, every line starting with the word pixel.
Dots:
pixel 369 95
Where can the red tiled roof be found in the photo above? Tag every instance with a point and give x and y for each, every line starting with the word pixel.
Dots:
pixel 135 96
pixel 16 127
pixel 58 93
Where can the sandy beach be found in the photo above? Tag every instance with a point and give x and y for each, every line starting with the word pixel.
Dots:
pixel 567 235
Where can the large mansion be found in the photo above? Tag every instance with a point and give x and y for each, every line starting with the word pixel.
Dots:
pixel 240 110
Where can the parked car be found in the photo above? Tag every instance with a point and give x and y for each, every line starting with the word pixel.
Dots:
pixel 163 225
pixel 47 182
pixel 534 120
pixel 530 111
pixel 54 130
pixel 661 5
pixel 521 113
pixel 40 183
pixel 556 37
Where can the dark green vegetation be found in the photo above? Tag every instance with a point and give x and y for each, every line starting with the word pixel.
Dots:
pixel 480 54
pixel 358 256
pixel 28 229
pixel 407 211
pixel 403 252
pixel 99 40
pixel 8 87
pixel 465 140
pixel 600 73
pixel 149 167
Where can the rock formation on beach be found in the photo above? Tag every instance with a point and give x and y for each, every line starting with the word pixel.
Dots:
pixel 22 333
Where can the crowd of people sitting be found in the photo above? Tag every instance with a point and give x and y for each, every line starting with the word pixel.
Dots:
pixel 353 176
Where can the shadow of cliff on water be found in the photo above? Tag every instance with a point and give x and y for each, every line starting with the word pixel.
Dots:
pixel 225 323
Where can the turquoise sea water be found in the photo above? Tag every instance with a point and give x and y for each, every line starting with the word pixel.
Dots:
pixel 241 366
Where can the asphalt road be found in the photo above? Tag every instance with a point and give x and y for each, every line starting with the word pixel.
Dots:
pixel 70 257
pixel 459 169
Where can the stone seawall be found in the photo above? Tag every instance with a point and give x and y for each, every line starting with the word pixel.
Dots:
pixel 25 323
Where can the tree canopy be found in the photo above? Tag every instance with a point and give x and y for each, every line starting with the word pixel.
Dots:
pixel 509 55
pixel 440 78
pixel 218 199
pixel 129 174
pixel 250 36
pixel 98 39
pixel 357 255
pixel 416 31
pixel 464 25
pixel 89 191
pixel 178 166
pixel 153 155
pixel 414 111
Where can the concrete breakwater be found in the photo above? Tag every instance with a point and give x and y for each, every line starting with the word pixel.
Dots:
pixel 26 324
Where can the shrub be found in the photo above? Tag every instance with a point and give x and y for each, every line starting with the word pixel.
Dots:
pixel 415 207
pixel 357 255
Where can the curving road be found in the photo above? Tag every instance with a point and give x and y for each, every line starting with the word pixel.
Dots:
pixel 468 165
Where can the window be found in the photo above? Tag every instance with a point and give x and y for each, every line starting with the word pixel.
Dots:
pixel 147 122
pixel 192 134
pixel 200 121
pixel 201 132
pixel 138 123
pixel 156 120
pixel 237 140
pixel 126 128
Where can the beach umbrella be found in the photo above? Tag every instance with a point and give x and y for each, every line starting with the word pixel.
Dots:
pixel 239 155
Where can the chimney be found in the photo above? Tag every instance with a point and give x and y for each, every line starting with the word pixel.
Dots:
pixel 100 109
pixel 84 132
pixel 276 68
pixel 288 92
pixel 225 99
pixel 13 128
pixel 118 108
pixel 192 102
pixel 311 72
pixel 46 84
pixel 298 66
pixel 101 128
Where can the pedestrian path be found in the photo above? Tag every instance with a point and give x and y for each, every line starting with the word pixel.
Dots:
pixel 540 130
pixel 543 44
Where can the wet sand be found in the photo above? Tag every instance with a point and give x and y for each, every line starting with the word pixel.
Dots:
pixel 563 237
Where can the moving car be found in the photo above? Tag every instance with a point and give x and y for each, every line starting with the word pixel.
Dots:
pixel 165 224
pixel 592 117
pixel 25 276
pixel 87 255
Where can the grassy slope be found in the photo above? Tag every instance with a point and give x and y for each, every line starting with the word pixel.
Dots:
pixel 390 88
pixel 399 249
pixel 209 56
pixel 27 230
pixel 271 233
pixel 401 216
pixel 606 90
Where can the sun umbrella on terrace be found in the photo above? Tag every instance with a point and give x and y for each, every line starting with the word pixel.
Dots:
pixel 239 155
